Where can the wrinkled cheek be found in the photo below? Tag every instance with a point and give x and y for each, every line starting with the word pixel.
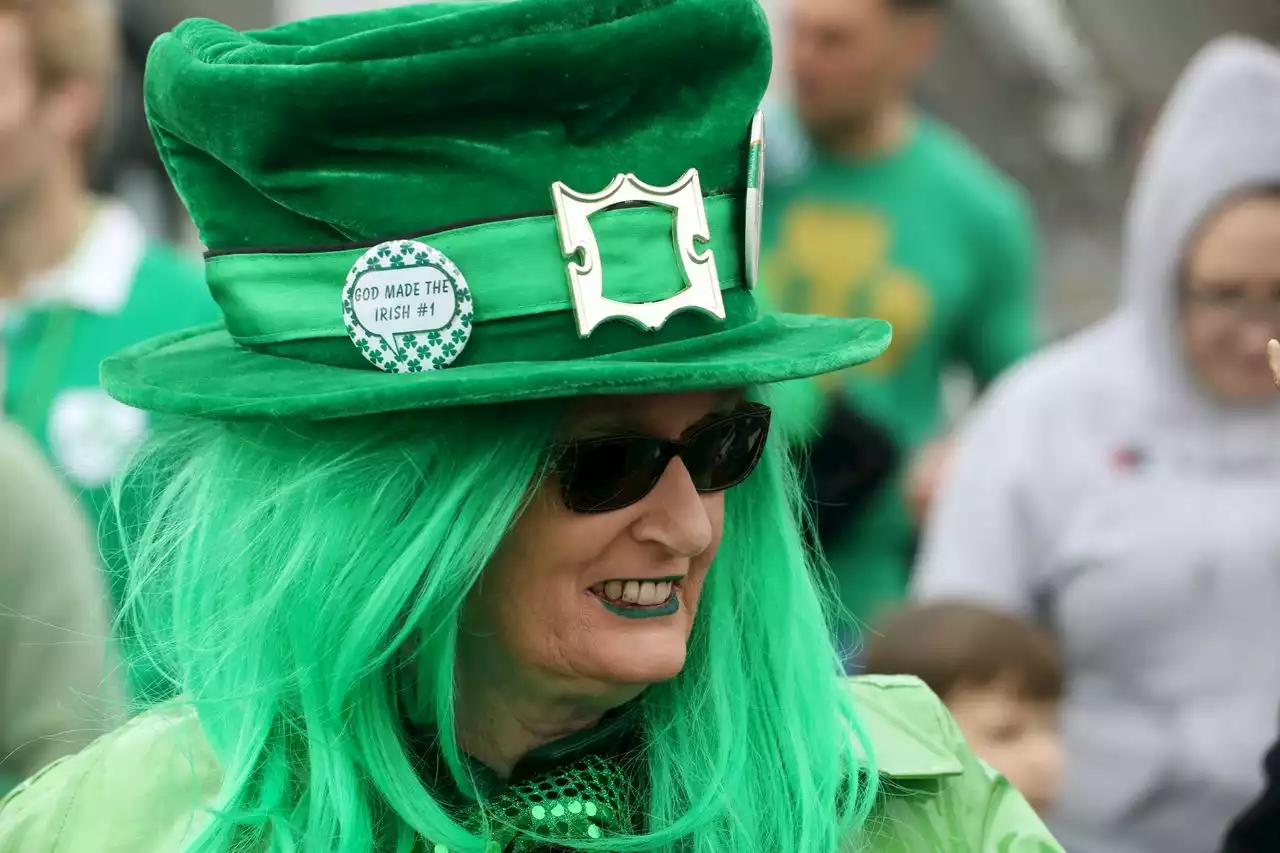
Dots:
pixel 532 622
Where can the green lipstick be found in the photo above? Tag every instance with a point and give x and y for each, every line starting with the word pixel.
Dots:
pixel 612 595
pixel 635 612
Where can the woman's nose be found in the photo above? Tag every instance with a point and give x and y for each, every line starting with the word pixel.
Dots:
pixel 675 515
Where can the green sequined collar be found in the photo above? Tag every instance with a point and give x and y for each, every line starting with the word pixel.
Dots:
pixel 616 737
pixel 583 787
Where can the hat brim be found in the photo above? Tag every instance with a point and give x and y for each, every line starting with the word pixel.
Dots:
pixel 203 372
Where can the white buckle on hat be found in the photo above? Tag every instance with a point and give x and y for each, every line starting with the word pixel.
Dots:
pixel 586 274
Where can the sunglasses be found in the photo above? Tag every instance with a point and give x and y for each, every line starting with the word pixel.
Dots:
pixel 604 474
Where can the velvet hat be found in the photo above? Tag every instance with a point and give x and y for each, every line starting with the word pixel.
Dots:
pixel 475 202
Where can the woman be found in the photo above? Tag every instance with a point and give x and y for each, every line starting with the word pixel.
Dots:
pixel 1122 487
pixel 455 547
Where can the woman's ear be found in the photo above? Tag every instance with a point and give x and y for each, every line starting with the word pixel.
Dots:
pixel 1273 357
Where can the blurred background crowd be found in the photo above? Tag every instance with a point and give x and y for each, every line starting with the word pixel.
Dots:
pixel 1056 498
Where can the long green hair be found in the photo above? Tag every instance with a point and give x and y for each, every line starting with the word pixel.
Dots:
pixel 300 580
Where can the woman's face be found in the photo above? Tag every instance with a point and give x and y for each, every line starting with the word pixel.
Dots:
pixel 544 600
pixel 1231 300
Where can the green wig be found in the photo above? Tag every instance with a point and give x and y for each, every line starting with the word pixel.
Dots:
pixel 301 579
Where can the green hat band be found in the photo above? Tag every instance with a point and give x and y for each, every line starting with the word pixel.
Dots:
pixel 515 270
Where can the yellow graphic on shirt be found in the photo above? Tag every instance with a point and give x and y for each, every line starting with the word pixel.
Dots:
pixel 834 260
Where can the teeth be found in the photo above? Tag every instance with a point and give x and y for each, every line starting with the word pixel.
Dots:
pixel 638 593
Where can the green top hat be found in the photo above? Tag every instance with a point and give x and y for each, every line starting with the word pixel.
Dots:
pixel 465 203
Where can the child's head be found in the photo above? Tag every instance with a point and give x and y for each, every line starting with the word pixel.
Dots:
pixel 1000 677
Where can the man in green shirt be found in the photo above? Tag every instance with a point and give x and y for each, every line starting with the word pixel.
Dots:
pixel 875 209
pixel 79 278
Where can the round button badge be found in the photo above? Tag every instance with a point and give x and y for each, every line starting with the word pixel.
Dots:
pixel 407 307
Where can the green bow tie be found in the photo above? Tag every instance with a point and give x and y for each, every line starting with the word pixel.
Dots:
pixel 589 799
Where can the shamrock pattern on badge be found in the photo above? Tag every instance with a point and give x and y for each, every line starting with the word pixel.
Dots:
pixel 407 308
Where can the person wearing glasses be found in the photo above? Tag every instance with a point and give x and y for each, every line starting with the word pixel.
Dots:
pixel 475 537
pixel 1122 487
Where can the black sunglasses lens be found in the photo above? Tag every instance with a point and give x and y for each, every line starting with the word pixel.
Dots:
pixel 607 474
pixel 598 476
pixel 724 453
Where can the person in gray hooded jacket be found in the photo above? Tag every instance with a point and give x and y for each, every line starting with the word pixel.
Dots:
pixel 1121 487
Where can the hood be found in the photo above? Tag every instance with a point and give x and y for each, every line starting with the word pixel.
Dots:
pixel 1219 135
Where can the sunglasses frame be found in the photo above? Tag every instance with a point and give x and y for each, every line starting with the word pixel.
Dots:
pixel 670 449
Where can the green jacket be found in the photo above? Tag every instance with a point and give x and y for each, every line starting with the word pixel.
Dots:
pixel 133 790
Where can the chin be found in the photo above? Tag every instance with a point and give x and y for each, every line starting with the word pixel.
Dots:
pixel 644 675
pixel 639 658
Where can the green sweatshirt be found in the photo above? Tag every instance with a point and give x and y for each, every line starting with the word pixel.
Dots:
pixel 936 241
pixel 115 290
